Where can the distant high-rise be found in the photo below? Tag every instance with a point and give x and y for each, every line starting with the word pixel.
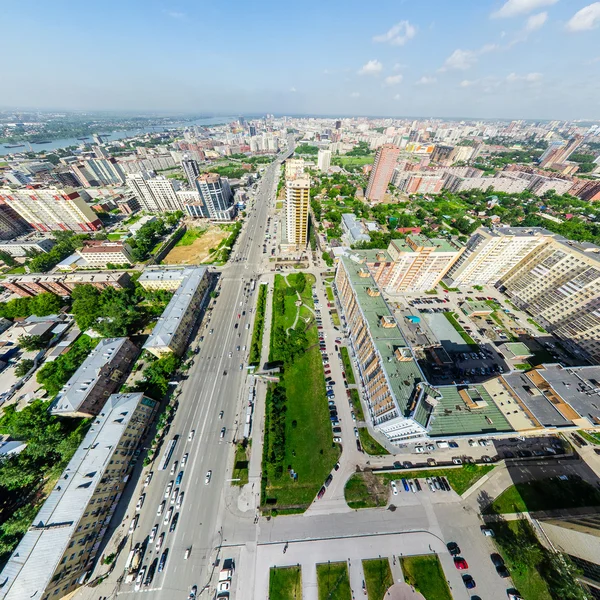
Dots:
pixel 216 196
pixel 324 160
pixel 252 129
pixel 338 124
pixel 381 174
pixel 99 171
pixel 558 152
pixel 297 202
pixel 191 169
pixel 294 167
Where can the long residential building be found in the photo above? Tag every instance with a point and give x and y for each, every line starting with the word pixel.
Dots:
pixel 297 204
pixel 60 548
pixel 100 374
pixel 11 223
pixel 490 253
pixel 99 253
pixel 174 327
pixel 558 284
pixel 415 264
pixel 155 193
pixel 63 284
pixel 51 208
pixel 21 247
pixel 381 174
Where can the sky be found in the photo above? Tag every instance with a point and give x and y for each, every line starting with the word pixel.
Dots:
pixel 531 59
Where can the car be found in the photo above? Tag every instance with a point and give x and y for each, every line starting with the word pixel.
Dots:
pixel 230 355
pixel 173 467
pixel 140 579
pixel 419 449
pixel 148 479
pixel 211 332
pixel 411 485
pixel 337 440
pixel 488 532
pixel 513 595
pixel 328 480
pixel 161 507
pixel 174 522
pixel 168 515
pixel 133 523
pixel 405 485
pixel 163 560
pixel 179 501
pixel 418 485
pixel 241 366
pixel 453 548
pixel 394 488
pixel 224 586
pixel 151 571
pixel 169 489
pixel 153 534
pixel 503 571
pixel 429 482
pixel 184 459
pixel 460 563
pixel 160 541
pixel 457 461
pixel 140 503
pixel 187 553
pixel 207 477
pixel 321 492
pixel 221 414
pixel 397 465
pixel 174 495
pixel 430 447
pixel 337 429
pixel 179 478
pixel 191 435
pixel 334 423
pixel 356 431
pixel 472 443
pixel 469 582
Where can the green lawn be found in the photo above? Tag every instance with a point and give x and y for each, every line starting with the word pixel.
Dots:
pixel 259 326
pixel 545 494
pixel 369 444
pixel 426 575
pixel 463 334
pixel 352 161
pixel 240 466
pixel 347 364
pixel 114 237
pixel 378 577
pixel 190 236
pixel 365 490
pixel 356 405
pixel 536 325
pixel 306 417
pixel 285 583
pixel 333 581
pixel 591 436
pixel 329 293
pixel 460 479
pixel 335 318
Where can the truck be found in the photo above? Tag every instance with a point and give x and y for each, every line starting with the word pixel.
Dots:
pixel 132 566
pixel 443 444
pixel 226 572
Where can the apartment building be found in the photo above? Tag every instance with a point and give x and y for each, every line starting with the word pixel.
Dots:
pixel 382 171
pixel 100 374
pixel 297 205
pixel 99 171
pixel 21 247
pixel 59 550
pixel 11 223
pixel 414 264
pixel 558 284
pixel 324 160
pixel 51 208
pixel 216 197
pixel 163 278
pixel 490 253
pixel 499 183
pixel 175 325
pixel 294 168
pixel 63 284
pixel 155 194
pixel 99 253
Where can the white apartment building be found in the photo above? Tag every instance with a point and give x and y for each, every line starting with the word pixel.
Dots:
pixel 324 160
pixel 294 167
pixel 297 203
pixel 50 208
pixel 155 194
pixel 100 253
pixel 490 253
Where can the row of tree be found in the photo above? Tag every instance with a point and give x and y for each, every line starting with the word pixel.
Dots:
pixel 41 305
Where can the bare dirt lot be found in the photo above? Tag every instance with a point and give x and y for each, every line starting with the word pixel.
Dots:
pixel 198 251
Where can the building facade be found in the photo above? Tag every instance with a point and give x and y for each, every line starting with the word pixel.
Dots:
pixel 381 174
pixel 297 204
pixel 216 197
pixel 11 223
pixel 99 253
pixel 294 168
pixel 156 194
pixel 60 549
pixel 324 160
pixel 51 208
pixel 23 246
pixel 191 169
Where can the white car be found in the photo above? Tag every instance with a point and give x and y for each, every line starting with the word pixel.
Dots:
pixel 356 432
pixel 133 524
pixel 140 503
pixel 207 478
pixel 168 515
pixel 191 435
pixel 169 488
pixel 161 507
pixel 337 440
pixel 394 488
pixel 184 459
pixel 179 501
pixel 159 541
pixel 224 586
pixel 230 354
pixel 174 495
pixel 187 553
pixel 148 479
pixel 153 534
pixel 173 467
pixel 419 449
pixel 222 434
pixel 139 579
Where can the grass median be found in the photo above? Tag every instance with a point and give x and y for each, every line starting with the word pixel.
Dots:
pixel 347 365
pixel 259 326
pixel 239 475
pixel 333 581
pixel 285 583
pixel 356 405
pixel 378 577
pixel 426 575
pixel 369 444
pixel 463 334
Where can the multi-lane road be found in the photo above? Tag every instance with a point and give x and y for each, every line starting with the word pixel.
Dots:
pixel 216 382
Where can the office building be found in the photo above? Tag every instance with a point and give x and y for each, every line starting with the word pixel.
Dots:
pixel 191 169
pixel 60 548
pixel 324 160
pixel 174 327
pixel 21 247
pixel 51 208
pixel 558 284
pixel 99 253
pixel 490 253
pixel 101 373
pixel 416 264
pixel 382 171
pixel 216 197
pixel 156 194
pixel 61 284
pixel 11 223
pixel 294 168
pixel 297 204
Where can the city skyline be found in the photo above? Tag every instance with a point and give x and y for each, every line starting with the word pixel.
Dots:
pixel 500 59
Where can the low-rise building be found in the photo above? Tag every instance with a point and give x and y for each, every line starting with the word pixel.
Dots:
pixel 99 253
pixel 60 548
pixel 173 328
pixel 101 374
pixel 163 278
pixel 21 247
pixel 354 229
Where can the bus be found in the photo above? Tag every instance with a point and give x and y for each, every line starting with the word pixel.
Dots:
pixel 168 453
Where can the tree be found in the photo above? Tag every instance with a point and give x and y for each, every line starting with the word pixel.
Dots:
pixel 7 259
pixel 46 304
pixel 24 366
pixel 32 342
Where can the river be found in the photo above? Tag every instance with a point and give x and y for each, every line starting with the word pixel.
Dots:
pixel 111 137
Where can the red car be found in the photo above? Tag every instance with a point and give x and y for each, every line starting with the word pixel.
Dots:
pixel 460 563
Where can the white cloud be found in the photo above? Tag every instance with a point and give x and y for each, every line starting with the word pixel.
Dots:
pixel 397 97
pixel 425 80
pixel 354 95
pixel 398 35
pixel 527 78
pixel 535 22
pixel 467 83
pixel 398 67
pixel 175 14
pixel 513 8
pixel 393 79
pixel 465 59
pixel 371 68
pixel 585 19
pixel 293 90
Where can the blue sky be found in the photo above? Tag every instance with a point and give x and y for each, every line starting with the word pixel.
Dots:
pixel 446 58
